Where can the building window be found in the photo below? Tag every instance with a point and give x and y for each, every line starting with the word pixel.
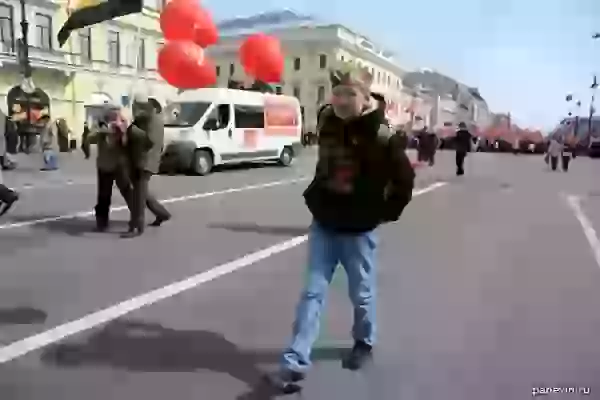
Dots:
pixel 297 92
pixel 85 45
pixel 378 77
pixel 43 31
pixel 297 64
pixel 141 57
pixel 114 48
pixel 7 33
pixel 157 5
pixel 322 61
pixel 278 90
pixel 320 94
pixel 389 81
pixel 342 58
pixel 231 69
pixel 218 70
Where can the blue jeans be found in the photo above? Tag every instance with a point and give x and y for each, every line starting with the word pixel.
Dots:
pixel 50 160
pixel 356 252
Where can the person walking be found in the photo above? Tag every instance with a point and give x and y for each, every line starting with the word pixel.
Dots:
pixel 432 143
pixel 402 138
pixel 144 141
pixel 111 165
pixel 363 179
pixel 3 139
pixel 85 141
pixel 49 143
pixel 567 154
pixel 463 143
pixel 555 149
pixel 8 197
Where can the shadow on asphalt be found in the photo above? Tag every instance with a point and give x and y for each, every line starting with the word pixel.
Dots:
pixel 228 168
pixel 262 229
pixel 148 347
pixel 77 226
pixel 22 316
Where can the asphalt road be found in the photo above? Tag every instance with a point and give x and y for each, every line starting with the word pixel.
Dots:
pixel 489 288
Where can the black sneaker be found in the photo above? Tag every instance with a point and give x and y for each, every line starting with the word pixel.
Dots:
pixel 286 381
pixel 358 356
pixel 7 205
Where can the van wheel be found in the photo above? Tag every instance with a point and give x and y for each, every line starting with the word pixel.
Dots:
pixel 203 162
pixel 286 157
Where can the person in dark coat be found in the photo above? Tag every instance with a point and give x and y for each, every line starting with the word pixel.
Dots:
pixel 3 138
pixel 363 179
pixel 86 142
pixel 433 143
pixel 12 142
pixel 402 138
pixel 144 142
pixel 463 143
pixel 8 197
pixel 424 149
pixel 111 165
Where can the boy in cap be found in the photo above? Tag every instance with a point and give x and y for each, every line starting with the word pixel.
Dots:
pixel 363 179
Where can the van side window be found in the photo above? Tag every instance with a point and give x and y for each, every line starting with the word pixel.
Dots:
pixel 223 112
pixel 249 117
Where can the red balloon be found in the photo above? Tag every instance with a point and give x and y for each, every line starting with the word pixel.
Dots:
pixel 186 20
pixel 183 65
pixel 262 57
pixel 205 32
pixel 178 20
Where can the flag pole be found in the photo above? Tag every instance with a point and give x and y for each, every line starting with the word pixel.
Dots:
pixel 73 85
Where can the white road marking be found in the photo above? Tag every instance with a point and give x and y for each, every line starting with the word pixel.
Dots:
pixel 574 203
pixel 58 333
pixel 57 185
pixel 85 214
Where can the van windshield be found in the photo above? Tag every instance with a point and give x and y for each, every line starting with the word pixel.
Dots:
pixel 184 114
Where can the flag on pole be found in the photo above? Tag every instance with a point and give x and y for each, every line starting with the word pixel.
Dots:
pixel 84 13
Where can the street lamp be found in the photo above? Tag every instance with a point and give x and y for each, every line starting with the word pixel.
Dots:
pixel 594 86
pixel 26 84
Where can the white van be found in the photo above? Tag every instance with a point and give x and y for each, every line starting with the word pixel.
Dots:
pixel 215 126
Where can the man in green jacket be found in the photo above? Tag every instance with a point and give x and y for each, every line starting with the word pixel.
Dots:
pixel 111 164
pixel 144 141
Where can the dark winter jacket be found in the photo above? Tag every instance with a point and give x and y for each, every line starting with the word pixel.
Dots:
pixel 363 176
pixel 463 140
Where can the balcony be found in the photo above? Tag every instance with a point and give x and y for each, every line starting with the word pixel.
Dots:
pixel 71 62
pixel 40 58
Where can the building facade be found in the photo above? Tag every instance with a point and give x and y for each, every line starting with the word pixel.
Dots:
pixel 311 48
pixel 451 102
pixel 102 64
